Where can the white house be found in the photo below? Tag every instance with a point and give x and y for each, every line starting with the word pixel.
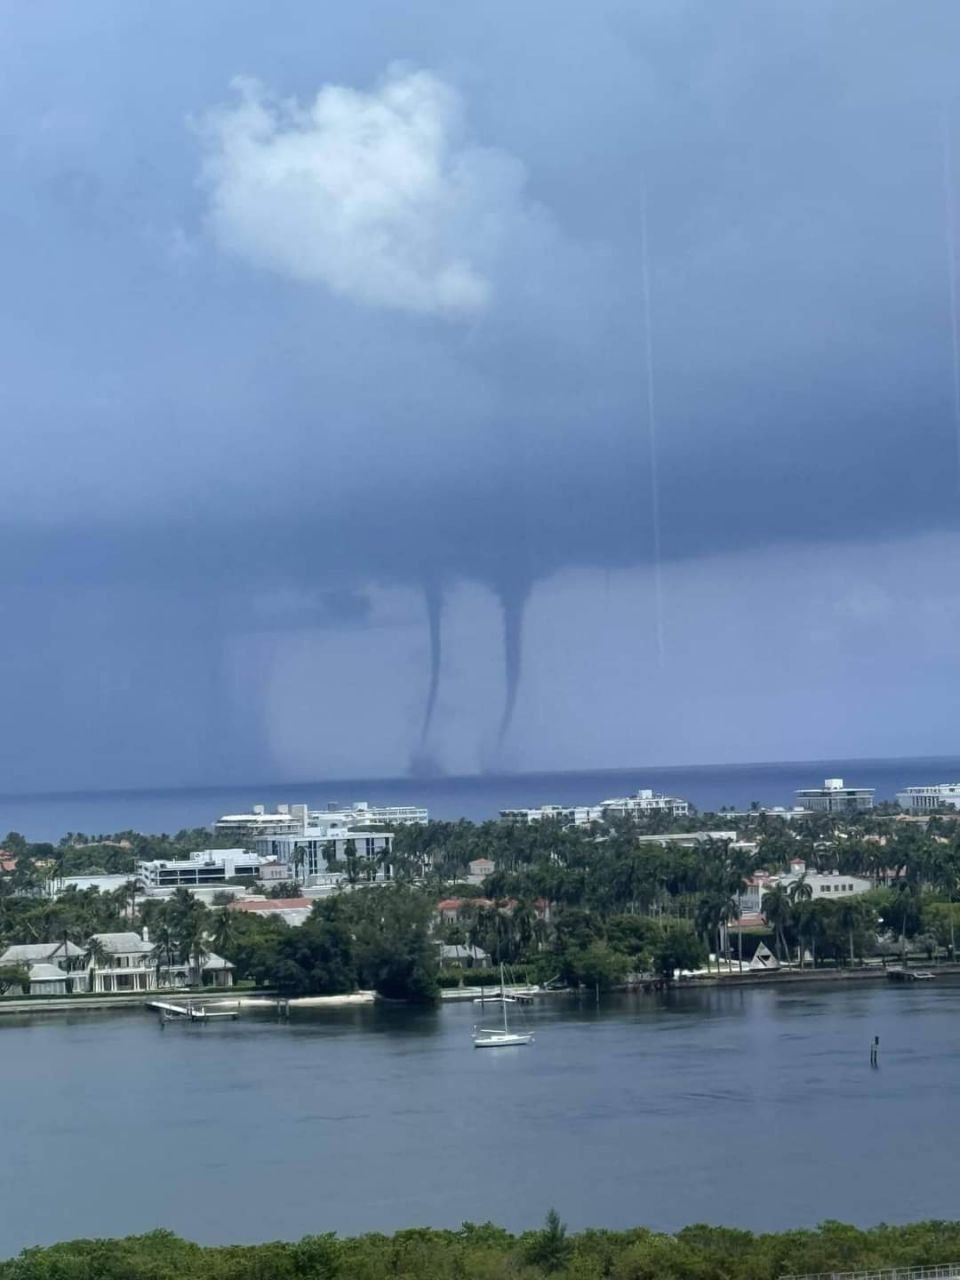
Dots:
pixel 49 980
pixel 827 885
pixel 54 968
pixel 127 964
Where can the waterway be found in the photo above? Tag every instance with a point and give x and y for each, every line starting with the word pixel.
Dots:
pixel 755 1107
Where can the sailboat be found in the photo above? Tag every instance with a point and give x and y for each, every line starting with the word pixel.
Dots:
pixel 495 1038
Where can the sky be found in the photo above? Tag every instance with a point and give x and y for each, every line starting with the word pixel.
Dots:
pixel 457 388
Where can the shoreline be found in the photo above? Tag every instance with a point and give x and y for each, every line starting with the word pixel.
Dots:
pixel 453 995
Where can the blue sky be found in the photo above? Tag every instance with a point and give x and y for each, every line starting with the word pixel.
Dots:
pixel 327 442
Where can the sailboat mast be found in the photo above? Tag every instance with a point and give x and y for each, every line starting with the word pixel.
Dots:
pixel 503 998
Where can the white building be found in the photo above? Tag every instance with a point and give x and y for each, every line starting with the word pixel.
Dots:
pixel 644 802
pixel 566 815
pixel 327 856
pixel 205 868
pixel 127 963
pixel 834 797
pixel 322 848
pixel 479 869
pixel 941 795
pixel 53 968
pixel 827 884
pixel 294 819
pixel 102 883
pixel 689 839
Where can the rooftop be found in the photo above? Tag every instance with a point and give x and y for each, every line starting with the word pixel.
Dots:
pixel 117 943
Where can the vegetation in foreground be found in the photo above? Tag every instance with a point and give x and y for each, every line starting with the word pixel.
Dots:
pixel 488 1253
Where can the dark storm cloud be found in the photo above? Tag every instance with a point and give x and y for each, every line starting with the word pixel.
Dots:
pixel 190 422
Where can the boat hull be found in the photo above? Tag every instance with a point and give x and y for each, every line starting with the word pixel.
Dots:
pixel 500 1039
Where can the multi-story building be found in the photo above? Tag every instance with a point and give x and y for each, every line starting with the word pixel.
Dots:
pixel 322 855
pixel 646 801
pixel 823 883
pixel 941 795
pixel 319 848
pixel 294 819
pixel 834 797
pixel 122 962
pixel 206 867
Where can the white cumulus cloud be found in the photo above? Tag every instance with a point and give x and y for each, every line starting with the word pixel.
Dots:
pixel 377 196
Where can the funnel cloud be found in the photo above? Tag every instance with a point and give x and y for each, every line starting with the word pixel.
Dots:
pixel 453 388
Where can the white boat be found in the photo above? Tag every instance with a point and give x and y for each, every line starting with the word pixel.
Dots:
pixel 496 1037
pixel 494 1000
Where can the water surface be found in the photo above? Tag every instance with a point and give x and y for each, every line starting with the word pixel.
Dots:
pixel 709 787
pixel 753 1107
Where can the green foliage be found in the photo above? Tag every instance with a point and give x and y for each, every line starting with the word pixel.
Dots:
pixel 13 977
pixel 678 947
pixel 374 938
pixel 485 1252
pixel 548 1249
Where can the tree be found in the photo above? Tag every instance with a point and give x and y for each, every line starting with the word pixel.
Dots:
pixel 224 929
pixel 164 946
pixel 549 1248
pixel 777 912
pixel 13 975
pixel 800 893
pixel 678 948
pixel 597 966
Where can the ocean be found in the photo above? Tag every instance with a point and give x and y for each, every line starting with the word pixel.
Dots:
pixel 47 816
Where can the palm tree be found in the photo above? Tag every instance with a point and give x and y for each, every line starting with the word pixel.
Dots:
pixel 97 955
pixel 224 929
pixel 776 909
pixel 196 952
pixel 849 916
pixel 800 893
pixel 164 945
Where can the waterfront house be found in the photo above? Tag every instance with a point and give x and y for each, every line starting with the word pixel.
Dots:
pixel 54 968
pixel 48 980
pixel 125 963
pixel 479 869
pixel 212 971
pixel 67 955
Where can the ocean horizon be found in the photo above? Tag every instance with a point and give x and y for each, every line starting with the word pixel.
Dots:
pixel 47 815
